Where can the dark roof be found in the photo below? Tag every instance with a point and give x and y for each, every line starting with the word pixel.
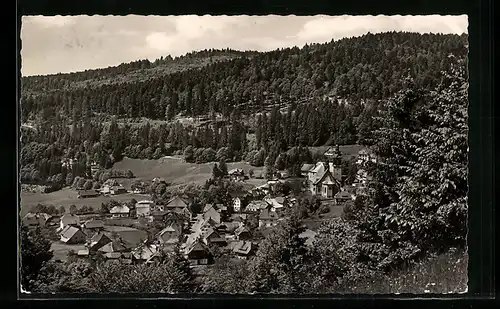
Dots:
pixel 198 246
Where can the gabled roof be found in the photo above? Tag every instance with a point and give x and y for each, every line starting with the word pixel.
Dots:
pixel 99 238
pixel 325 174
pixel 176 202
pixel 122 209
pixel 274 202
pixel 257 205
pixel 113 246
pixel 69 232
pixel 169 228
pixel 213 215
pixel 197 246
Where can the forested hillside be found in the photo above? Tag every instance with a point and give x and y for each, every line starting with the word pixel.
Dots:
pixel 318 95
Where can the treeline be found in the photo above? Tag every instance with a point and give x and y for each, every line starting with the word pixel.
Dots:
pixel 370 67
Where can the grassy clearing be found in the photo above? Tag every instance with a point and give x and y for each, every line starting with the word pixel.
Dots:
pixel 67 197
pixel 347 151
pixel 175 170
pixel 442 274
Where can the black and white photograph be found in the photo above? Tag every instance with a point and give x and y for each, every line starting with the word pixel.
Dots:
pixel 249 155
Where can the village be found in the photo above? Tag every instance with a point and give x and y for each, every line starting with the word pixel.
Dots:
pixel 233 229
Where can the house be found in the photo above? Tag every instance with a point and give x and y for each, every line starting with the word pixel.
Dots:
pixel 33 220
pixel 276 204
pixel 105 190
pixel 198 253
pixel 212 237
pixel 237 204
pixel 242 233
pixel 69 220
pixel 366 155
pixel 268 218
pixel 115 190
pixel 159 216
pixel 143 208
pixel 236 174
pixel 305 169
pixel 255 206
pixel 212 214
pixel 342 196
pixel 87 193
pixel 72 235
pixel 94 225
pixel 120 211
pixel 98 241
pixel 325 185
pixel 113 246
pixel 243 249
pixel 261 190
pixel 180 206
pixel 169 233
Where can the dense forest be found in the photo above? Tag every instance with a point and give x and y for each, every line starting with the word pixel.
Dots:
pixel 225 105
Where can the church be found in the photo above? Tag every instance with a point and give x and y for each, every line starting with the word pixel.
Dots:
pixel 325 178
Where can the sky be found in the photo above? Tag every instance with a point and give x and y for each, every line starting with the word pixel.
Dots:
pixel 62 44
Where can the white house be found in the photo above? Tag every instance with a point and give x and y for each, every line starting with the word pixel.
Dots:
pixel 143 208
pixel 120 211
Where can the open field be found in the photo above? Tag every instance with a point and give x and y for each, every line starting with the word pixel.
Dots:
pixel 67 197
pixel 175 170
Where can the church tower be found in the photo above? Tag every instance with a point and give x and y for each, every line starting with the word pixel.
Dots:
pixel 334 159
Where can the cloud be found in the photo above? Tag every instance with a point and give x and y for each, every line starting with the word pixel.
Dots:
pixel 53 44
pixel 326 28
